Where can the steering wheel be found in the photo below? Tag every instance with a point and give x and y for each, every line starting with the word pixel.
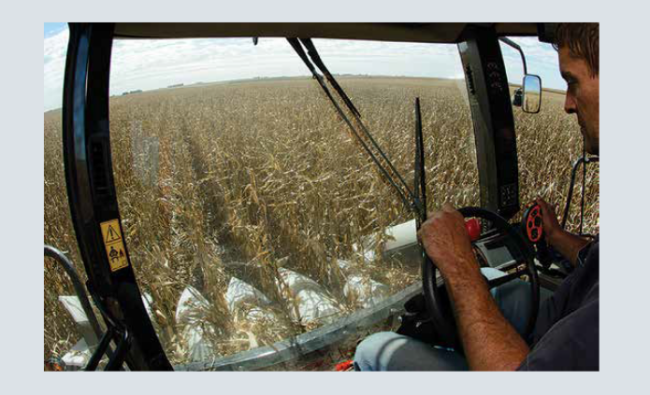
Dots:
pixel 437 301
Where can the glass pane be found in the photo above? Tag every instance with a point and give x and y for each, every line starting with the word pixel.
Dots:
pixel 61 332
pixel 68 334
pixel 251 214
pixel 532 92
pixel 550 142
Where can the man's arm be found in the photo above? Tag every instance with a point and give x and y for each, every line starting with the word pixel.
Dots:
pixel 567 244
pixel 490 342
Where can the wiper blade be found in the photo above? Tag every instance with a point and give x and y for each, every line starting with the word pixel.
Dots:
pixel 419 182
pixel 367 141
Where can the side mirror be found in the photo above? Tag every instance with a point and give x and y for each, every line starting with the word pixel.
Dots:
pixel 532 94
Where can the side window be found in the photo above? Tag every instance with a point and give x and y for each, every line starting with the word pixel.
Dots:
pixel 550 142
pixel 64 324
pixel 67 330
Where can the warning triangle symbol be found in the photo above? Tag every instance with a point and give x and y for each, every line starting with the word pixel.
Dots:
pixel 112 235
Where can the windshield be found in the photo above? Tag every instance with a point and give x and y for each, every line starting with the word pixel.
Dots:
pixel 251 199
pixel 252 216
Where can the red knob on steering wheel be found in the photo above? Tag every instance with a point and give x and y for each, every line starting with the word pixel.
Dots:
pixel 533 223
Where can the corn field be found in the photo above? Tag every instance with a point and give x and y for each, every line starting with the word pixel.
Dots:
pixel 250 178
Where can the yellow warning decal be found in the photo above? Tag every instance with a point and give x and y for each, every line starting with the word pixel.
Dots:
pixel 114 244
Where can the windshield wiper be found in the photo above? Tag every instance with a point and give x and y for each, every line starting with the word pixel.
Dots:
pixel 315 57
pixel 419 182
pixel 390 173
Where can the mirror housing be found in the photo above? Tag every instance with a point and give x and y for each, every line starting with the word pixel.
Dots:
pixel 529 96
pixel 531 100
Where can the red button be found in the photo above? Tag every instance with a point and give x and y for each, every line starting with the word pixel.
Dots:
pixel 473 228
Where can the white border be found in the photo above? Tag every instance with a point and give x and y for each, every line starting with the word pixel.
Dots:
pixel 625 267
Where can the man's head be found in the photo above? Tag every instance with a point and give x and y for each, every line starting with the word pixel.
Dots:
pixel 578 45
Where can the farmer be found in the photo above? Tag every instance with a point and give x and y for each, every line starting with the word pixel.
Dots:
pixel 566 333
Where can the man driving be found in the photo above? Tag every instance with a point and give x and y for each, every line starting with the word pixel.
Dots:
pixel 491 323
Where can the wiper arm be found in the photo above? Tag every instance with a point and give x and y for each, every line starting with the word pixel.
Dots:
pixel 366 141
pixel 315 57
pixel 301 52
pixel 313 53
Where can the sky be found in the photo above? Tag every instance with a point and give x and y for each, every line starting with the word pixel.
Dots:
pixel 153 64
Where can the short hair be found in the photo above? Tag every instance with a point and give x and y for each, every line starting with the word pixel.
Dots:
pixel 582 42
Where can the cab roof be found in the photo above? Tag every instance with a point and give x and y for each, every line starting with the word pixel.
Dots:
pixel 407 32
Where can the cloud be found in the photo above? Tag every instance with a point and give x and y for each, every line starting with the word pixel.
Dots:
pixel 541 59
pixel 55 48
pixel 157 64
pixel 152 64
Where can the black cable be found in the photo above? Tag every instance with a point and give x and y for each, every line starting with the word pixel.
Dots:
pixel 117 360
pixel 584 180
pixel 67 265
pixel 101 350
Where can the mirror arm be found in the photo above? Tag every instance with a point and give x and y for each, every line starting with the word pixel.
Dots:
pixel 516 46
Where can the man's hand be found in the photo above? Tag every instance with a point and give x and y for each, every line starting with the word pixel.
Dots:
pixel 490 342
pixel 564 242
pixel 549 220
pixel 447 243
